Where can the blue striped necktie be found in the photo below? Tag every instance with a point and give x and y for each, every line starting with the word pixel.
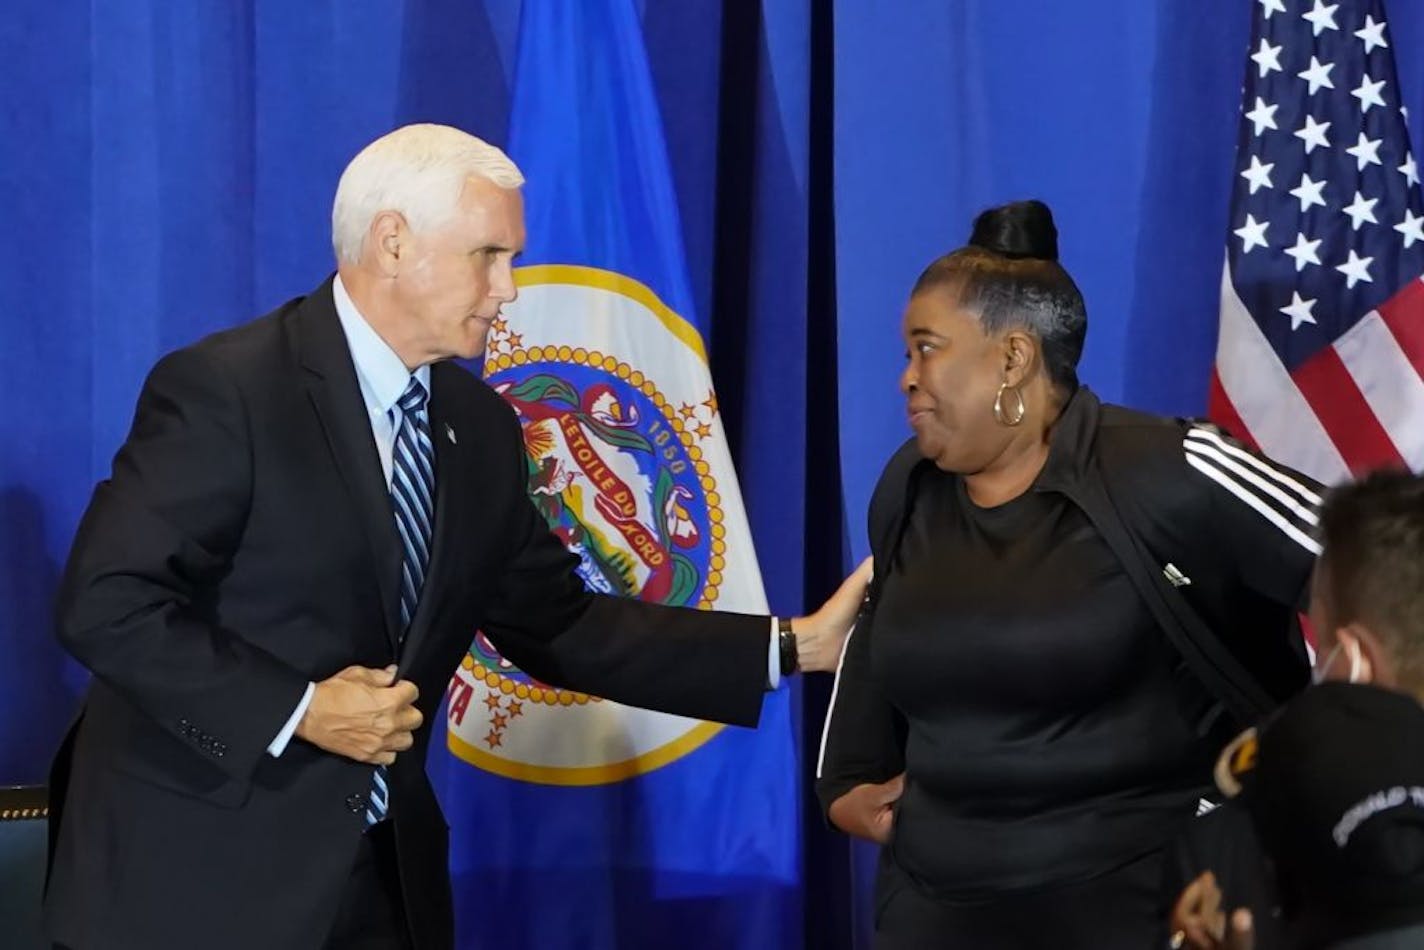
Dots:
pixel 412 497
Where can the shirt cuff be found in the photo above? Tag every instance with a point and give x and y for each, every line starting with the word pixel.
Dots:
pixel 279 744
pixel 773 659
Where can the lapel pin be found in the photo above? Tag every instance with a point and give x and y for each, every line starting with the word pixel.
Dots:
pixel 450 434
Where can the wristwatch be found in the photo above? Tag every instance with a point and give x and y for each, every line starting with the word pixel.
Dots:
pixel 786 641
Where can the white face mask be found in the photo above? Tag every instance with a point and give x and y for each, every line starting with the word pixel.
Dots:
pixel 1321 670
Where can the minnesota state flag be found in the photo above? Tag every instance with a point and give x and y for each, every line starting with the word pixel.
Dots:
pixel 577 822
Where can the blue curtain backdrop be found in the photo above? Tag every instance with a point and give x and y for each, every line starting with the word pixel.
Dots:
pixel 166 170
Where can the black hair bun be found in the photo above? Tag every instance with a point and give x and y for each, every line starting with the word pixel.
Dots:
pixel 1017 230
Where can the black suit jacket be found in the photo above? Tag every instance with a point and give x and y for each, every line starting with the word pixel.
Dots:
pixel 244 546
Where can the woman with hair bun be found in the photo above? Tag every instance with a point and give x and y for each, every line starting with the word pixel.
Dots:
pixel 1074 605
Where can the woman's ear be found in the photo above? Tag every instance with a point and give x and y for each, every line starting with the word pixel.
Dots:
pixel 1020 357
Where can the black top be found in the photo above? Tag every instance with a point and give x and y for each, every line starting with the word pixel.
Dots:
pixel 1049 724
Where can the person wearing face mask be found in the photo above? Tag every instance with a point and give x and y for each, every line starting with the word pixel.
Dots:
pixel 1074 605
pixel 1304 772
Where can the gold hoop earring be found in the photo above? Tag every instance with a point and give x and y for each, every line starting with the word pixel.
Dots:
pixel 999 414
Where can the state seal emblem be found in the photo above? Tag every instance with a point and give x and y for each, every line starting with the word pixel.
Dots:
pixel 628 465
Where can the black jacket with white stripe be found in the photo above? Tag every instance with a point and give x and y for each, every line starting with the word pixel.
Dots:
pixel 1216 539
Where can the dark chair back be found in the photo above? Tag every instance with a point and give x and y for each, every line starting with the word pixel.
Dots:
pixel 24 835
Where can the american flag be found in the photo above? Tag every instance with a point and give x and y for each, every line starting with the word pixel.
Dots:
pixel 1320 361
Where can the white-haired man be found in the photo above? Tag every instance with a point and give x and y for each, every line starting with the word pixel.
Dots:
pixel 311 515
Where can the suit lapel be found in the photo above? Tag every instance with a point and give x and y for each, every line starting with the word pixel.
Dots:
pixel 336 396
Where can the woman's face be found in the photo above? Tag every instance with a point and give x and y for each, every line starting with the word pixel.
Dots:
pixel 952 374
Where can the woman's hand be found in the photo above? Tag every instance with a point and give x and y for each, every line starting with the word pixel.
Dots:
pixel 868 811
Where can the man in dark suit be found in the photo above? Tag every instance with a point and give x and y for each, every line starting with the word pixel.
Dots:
pixel 311 515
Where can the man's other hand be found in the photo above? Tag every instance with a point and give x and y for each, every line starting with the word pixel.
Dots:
pixel 363 714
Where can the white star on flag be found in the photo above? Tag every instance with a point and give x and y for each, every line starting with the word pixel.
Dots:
pixel 1308 192
pixel 1366 151
pixel 1263 116
pixel 1252 234
pixel 1361 210
pixel 1322 17
pixel 1313 134
pixel 1271 6
pixel 1258 175
pixel 1304 252
pixel 1299 310
pixel 1356 269
pixel 1411 227
pixel 1268 57
pixel 1317 75
pixel 1369 94
pixel 1408 169
pixel 1372 34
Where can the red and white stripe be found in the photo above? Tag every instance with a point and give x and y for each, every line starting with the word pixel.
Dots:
pixel 1357 405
